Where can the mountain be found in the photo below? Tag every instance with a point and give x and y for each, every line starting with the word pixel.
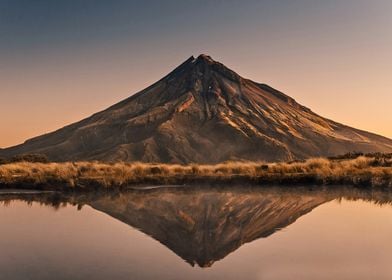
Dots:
pixel 203 112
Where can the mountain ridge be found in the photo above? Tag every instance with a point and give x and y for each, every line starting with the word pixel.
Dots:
pixel 203 111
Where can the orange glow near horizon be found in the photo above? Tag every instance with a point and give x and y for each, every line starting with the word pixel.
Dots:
pixel 39 102
pixel 334 58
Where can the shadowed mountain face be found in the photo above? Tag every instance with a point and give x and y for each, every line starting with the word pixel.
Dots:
pixel 203 112
pixel 203 226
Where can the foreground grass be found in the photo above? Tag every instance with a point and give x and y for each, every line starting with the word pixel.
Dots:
pixel 361 171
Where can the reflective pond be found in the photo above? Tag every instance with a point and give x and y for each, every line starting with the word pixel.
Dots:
pixel 197 233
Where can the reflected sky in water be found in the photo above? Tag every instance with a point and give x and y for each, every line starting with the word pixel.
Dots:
pixel 231 233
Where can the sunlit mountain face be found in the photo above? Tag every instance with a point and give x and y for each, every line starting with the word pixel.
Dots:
pixel 203 112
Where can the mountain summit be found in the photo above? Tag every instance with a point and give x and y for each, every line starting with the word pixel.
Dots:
pixel 203 112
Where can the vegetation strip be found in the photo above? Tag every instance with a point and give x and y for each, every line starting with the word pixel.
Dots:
pixel 375 171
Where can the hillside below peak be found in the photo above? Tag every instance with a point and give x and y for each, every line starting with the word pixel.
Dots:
pixel 203 112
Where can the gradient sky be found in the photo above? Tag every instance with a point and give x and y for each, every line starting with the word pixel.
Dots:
pixel 61 61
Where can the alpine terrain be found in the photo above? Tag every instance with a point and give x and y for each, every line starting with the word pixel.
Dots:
pixel 203 112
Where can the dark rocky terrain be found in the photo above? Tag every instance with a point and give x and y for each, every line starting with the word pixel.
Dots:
pixel 203 112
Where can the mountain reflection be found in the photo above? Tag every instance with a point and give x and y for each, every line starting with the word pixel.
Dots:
pixel 203 225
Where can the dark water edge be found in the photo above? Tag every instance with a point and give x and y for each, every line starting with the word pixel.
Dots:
pixel 55 196
pixel 298 180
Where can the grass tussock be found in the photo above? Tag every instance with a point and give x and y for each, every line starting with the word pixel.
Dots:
pixel 360 171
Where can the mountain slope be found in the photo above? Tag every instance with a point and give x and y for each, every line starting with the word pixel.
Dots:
pixel 203 112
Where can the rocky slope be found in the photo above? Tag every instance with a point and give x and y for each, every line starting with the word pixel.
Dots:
pixel 203 112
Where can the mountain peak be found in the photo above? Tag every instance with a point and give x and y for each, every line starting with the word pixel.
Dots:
pixel 206 58
pixel 203 112
pixel 206 64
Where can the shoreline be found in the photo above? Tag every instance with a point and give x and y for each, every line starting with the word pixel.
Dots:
pixel 85 176
pixel 83 184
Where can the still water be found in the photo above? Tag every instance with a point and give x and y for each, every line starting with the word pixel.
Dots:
pixel 197 233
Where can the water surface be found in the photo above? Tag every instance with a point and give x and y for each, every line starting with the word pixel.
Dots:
pixel 197 233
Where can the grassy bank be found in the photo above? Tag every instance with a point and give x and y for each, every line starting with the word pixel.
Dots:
pixel 360 171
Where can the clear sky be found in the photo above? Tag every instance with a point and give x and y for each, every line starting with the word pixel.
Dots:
pixel 61 61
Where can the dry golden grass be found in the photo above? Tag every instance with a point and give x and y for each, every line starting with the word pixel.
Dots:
pixel 362 171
